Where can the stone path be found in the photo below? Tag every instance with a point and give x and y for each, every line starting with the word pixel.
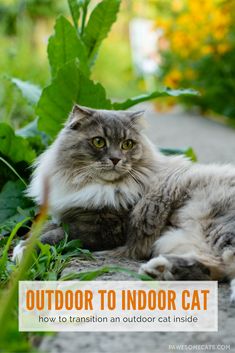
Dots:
pixel 213 143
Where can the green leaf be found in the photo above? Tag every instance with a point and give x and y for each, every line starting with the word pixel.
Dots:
pixel 65 45
pixel 29 91
pixel 188 152
pixel 166 92
pixel 8 224
pixel 74 7
pixel 14 147
pixel 93 274
pixel 69 87
pixel 191 154
pixel 10 167
pixel 3 260
pixel 12 197
pixel 72 244
pixel 31 132
pixel 100 22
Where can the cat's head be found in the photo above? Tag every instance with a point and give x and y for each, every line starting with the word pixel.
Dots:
pixel 102 144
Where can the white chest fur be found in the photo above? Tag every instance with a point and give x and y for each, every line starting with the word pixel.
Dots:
pixel 94 195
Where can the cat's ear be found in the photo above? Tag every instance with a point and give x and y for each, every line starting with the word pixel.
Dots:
pixel 78 115
pixel 135 116
pixel 137 119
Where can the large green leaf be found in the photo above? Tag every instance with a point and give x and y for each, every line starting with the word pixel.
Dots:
pixel 69 87
pixel 16 148
pixel 29 91
pixel 65 45
pixel 99 25
pixel 165 92
pixel 12 197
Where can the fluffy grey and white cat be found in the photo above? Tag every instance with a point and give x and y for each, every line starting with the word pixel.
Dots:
pixel 98 168
pixel 113 189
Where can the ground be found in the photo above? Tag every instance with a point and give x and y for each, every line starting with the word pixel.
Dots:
pixel 212 142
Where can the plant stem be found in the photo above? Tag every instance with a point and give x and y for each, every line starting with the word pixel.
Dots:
pixel 9 240
pixel 13 170
pixel 84 14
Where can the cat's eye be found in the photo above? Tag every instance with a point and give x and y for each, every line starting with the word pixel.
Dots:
pixel 99 142
pixel 127 145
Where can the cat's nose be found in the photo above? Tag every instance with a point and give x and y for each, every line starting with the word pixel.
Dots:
pixel 114 160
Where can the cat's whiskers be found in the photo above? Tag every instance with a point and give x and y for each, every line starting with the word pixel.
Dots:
pixel 104 167
pixel 143 172
pixel 84 176
pixel 137 173
pixel 142 177
pixel 136 179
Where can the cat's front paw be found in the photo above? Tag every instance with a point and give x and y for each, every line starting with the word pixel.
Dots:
pixel 158 268
pixel 18 251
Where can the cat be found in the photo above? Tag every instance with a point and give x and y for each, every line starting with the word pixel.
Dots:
pixel 97 168
pixel 118 193
pixel 185 223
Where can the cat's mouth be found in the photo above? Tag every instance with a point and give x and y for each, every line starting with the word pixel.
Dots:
pixel 112 174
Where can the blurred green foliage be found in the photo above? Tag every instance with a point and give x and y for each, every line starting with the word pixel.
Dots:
pixel 19 57
pixel 25 26
pixel 199 51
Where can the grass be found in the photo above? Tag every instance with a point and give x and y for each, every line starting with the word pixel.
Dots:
pixel 45 264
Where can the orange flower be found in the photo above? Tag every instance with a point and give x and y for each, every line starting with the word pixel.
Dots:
pixel 197 25
pixel 222 48
pixel 177 5
pixel 173 78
